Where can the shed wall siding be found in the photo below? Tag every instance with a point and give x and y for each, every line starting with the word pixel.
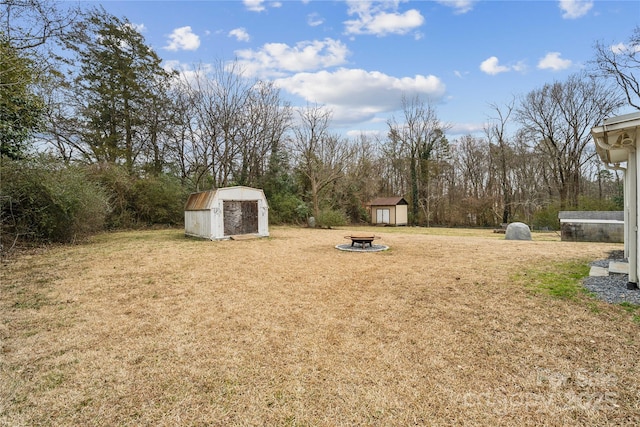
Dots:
pixel 610 232
pixel 198 224
pixel 592 226
pixel 402 215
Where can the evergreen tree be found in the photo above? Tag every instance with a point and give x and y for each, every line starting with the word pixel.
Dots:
pixel 120 82
pixel 20 108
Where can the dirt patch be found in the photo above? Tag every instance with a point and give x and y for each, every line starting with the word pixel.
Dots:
pixel 151 328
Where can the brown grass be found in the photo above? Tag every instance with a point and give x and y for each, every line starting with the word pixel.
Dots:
pixel 153 329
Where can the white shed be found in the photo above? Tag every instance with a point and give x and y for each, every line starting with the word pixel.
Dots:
pixel 225 212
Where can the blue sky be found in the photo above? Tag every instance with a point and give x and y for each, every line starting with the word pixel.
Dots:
pixel 360 57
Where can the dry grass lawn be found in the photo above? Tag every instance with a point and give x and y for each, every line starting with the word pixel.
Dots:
pixel 153 329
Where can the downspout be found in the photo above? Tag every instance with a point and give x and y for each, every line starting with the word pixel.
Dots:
pixel 632 170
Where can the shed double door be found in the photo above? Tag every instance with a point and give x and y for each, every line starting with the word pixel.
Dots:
pixel 240 217
pixel 382 216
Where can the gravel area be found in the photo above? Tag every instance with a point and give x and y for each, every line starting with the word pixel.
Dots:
pixel 613 288
pixel 358 248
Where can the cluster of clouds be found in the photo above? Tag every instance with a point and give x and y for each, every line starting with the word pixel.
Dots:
pixel 551 61
pixel 318 72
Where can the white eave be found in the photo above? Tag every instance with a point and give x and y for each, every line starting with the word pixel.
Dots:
pixel 616 137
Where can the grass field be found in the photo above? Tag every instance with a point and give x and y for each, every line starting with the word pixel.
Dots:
pixel 448 327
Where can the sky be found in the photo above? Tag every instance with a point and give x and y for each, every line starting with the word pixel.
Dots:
pixel 359 58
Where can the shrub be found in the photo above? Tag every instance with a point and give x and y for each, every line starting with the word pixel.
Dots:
pixel 118 185
pixel 158 200
pixel 142 201
pixel 594 204
pixel 547 217
pixel 286 209
pixel 331 218
pixel 44 199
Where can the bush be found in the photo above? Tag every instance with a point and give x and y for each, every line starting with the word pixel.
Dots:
pixel 331 218
pixel 158 200
pixel 137 202
pixel 547 217
pixel 594 204
pixel 118 186
pixel 44 199
pixel 286 209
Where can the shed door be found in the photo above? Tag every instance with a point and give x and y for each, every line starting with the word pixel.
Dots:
pixel 240 217
pixel 382 216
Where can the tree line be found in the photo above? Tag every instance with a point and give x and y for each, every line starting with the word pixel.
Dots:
pixel 95 133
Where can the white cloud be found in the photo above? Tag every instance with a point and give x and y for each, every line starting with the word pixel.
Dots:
pixel 374 18
pixel 574 9
pixel 520 66
pixel 254 5
pixel 618 48
pixel 259 5
pixel 460 6
pixel 138 27
pixel 240 34
pixel 368 133
pixel 313 20
pixel 183 39
pixel 275 58
pixel 552 61
pixel 622 48
pixel 356 95
pixel 492 66
pixel 461 129
pixel 187 73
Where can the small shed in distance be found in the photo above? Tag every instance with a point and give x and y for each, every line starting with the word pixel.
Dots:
pixel 592 226
pixel 389 211
pixel 225 212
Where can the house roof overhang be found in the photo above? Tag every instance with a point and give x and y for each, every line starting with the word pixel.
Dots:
pixel 616 138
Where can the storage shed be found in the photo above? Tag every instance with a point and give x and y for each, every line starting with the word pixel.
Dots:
pixel 225 212
pixel 389 211
pixel 592 226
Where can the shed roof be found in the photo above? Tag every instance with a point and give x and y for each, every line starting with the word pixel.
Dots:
pixel 388 201
pixel 204 200
pixel 592 215
pixel 199 201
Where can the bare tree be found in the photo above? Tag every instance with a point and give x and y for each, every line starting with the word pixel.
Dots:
pixel 362 181
pixel 417 138
pixel 394 179
pixel 558 119
pixel 321 156
pixel 28 24
pixel 496 132
pixel 529 181
pixel 266 119
pixel 232 126
pixel 621 63
pixel 475 194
